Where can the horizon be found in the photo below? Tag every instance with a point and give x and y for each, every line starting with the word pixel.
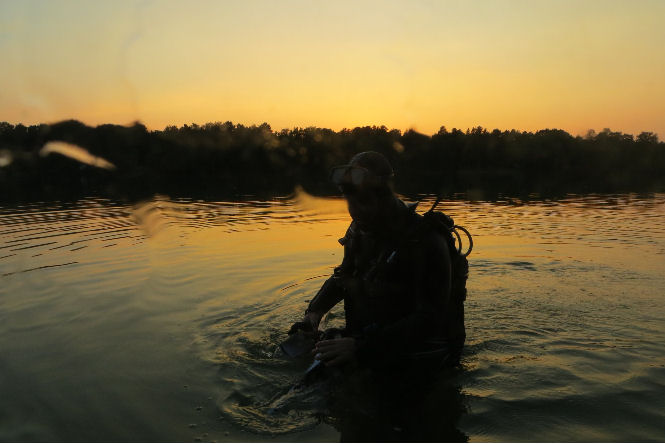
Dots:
pixel 590 131
pixel 525 66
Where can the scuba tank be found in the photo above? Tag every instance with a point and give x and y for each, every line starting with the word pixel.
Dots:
pixel 446 226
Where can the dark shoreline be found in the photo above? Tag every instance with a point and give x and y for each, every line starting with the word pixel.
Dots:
pixel 218 161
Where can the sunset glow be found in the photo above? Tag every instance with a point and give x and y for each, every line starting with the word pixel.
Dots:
pixel 524 65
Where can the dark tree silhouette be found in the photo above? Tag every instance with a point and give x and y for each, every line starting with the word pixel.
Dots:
pixel 223 160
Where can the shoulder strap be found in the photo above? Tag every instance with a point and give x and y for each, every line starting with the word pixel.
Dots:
pixel 350 232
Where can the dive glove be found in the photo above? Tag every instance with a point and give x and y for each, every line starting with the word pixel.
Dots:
pixel 305 326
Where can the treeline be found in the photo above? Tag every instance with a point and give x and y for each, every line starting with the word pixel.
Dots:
pixel 223 160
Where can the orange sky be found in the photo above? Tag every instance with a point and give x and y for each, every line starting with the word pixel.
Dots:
pixel 422 64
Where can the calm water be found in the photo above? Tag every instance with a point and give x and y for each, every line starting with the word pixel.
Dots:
pixel 161 321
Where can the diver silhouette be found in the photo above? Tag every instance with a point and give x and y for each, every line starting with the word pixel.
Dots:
pixel 404 317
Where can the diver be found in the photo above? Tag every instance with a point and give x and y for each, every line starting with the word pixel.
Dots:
pixel 389 373
pixel 395 281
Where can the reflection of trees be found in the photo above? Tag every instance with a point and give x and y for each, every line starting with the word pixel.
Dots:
pixel 224 159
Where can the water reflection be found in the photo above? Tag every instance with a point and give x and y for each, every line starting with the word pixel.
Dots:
pixel 161 321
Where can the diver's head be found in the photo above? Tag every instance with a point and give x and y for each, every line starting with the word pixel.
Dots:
pixel 366 183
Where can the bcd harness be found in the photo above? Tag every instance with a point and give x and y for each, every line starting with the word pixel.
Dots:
pixel 446 227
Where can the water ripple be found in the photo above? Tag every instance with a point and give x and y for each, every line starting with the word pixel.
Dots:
pixel 564 313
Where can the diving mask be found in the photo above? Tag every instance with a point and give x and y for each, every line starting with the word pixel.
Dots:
pixel 356 177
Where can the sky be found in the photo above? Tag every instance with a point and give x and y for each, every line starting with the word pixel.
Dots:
pixel 509 64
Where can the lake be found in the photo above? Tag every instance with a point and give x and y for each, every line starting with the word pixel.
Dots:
pixel 160 321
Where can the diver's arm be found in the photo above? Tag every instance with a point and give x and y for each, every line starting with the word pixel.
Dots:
pixel 326 298
pixel 331 292
pixel 432 293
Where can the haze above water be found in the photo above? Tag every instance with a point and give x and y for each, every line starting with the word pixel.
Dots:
pixel 160 321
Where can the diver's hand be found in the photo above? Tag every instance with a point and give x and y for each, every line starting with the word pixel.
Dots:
pixel 335 351
pixel 310 323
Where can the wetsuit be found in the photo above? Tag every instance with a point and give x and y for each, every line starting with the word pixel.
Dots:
pixel 396 287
